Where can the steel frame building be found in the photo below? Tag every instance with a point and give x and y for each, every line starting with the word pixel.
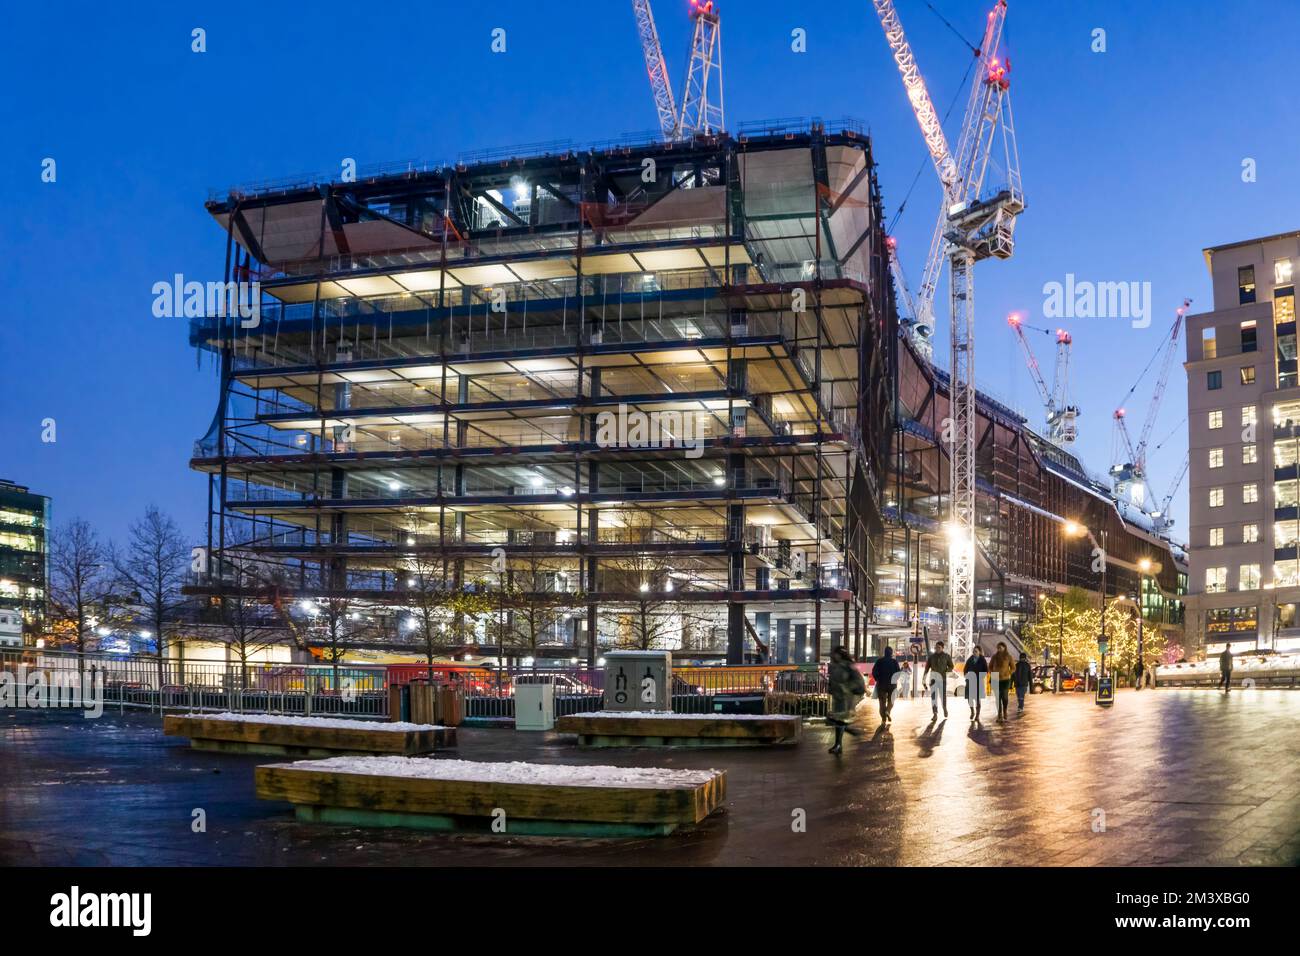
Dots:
pixel 439 354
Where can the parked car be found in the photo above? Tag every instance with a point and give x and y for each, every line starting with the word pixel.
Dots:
pixel 566 685
pixel 1043 679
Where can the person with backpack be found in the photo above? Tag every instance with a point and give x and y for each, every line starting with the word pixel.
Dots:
pixel 1023 676
pixel 975 669
pixel 847 688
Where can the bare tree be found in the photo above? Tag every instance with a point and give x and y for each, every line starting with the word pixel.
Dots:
pixel 434 604
pixel 80 583
pixel 153 567
pixel 535 595
pixel 248 610
pixel 658 611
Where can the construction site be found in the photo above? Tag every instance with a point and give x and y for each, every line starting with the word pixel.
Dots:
pixel 666 393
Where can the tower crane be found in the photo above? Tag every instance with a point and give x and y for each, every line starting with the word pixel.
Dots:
pixel 656 68
pixel 1128 475
pixel 1061 415
pixel 1161 518
pixel 974 227
pixel 920 334
pixel 701 104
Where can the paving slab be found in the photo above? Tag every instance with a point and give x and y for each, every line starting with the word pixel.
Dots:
pixel 1171 776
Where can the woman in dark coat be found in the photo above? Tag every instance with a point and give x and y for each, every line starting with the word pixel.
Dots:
pixel 976 667
pixel 847 688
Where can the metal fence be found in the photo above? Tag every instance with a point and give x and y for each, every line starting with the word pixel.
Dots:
pixel 139 683
pixel 362 691
pixel 696 690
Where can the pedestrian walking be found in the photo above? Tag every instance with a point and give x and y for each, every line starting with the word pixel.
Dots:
pixel 1138 671
pixel 1002 664
pixel 974 670
pixel 847 688
pixel 940 665
pixel 1225 670
pixel 882 672
pixel 1023 675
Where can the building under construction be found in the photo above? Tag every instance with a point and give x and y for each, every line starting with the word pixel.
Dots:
pixel 638 395
pixel 647 395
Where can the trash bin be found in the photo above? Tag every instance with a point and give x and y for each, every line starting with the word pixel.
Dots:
pixel 449 706
pixel 399 702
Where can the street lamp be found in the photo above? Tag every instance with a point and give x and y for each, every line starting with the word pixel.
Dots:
pixel 1144 568
pixel 1075 530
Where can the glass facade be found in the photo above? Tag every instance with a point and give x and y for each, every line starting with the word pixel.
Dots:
pixel 24 552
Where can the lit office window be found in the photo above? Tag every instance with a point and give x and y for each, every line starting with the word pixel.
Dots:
pixel 1216 537
pixel 1249 533
pixel 1216 419
pixel 1216 497
pixel 1216 579
pixel 1216 457
pixel 1248 577
pixel 1248 454
pixel 1282 272
pixel 1249 493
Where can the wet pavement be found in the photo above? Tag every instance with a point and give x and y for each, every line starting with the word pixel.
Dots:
pixel 1165 777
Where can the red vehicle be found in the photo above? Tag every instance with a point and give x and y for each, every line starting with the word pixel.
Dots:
pixel 471 678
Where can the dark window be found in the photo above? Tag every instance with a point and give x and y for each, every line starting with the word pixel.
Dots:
pixel 1214 380
pixel 1248 375
pixel 1248 336
pixel 1246 285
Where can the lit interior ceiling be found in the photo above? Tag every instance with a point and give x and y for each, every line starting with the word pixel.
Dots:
pixel 563 265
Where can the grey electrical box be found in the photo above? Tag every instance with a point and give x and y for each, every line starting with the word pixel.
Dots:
pixel 535 706
pixel 638 680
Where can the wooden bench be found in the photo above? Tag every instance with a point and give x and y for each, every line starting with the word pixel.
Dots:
pixel 611 729
pixel 510 799
pixel 306 736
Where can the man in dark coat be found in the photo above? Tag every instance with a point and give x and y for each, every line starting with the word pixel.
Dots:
pixel 939 664
pixel 1023 675
pixel 882 672
pixel 976 667
pixel 1225 670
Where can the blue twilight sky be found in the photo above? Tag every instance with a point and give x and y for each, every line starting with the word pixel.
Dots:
pixel 1131 162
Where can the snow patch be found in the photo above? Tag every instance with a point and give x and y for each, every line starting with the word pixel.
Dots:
pixel 333 723
pixel 1241 664
pixel 665 715
pixel 653 778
